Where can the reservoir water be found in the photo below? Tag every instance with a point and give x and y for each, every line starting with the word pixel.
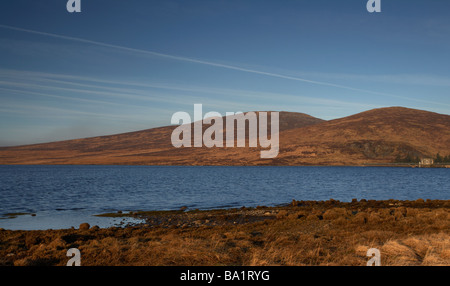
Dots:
pixel 65 196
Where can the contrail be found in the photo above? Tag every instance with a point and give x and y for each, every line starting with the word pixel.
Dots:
pixel 197 61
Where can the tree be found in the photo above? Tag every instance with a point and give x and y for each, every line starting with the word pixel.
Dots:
pixel 439 158
pixel 407 159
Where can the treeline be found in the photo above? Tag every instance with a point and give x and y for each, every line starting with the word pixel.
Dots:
pixel 407 159
pixel 415 159
pixel 440 159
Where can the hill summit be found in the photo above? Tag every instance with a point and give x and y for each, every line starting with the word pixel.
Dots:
pixel 373 137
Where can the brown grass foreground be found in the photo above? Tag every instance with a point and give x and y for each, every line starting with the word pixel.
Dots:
pixel 303 233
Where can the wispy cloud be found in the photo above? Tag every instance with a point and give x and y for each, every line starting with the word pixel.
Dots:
pixel 115 92
pixel 403 79
pixel 50 84
pixel 195 61
pixel 36 110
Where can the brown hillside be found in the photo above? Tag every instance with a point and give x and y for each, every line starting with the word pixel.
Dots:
pixel 375 136
pixel 152 146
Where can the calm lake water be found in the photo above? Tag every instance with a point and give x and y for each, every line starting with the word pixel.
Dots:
pixel 65 196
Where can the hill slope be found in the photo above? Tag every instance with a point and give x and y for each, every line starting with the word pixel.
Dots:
pixel 375 136
pixel 151 146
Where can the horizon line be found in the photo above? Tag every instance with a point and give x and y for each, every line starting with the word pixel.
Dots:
pixel 324 120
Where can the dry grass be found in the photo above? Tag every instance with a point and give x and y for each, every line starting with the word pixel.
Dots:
pixel 310 234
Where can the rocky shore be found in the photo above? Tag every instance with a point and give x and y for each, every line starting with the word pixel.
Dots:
pixel 300 233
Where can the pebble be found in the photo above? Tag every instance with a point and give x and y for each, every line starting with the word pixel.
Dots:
pixel 84 226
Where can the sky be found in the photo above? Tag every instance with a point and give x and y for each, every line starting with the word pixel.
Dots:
pixel 127 65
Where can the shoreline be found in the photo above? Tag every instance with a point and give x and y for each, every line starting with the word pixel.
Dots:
pixel 300 233
pixel 389 165
pixel 185 216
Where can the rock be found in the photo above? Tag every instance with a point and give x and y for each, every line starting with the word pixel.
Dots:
pixel 335 213
pixel 183 208
pixel 95 227
pixel 298 215
pixel 312 217
pixel 84 226
pixel 282 214
pixel 57 243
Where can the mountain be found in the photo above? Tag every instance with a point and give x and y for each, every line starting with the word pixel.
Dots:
pixel 146 147
pixel 371 137
pixel 375 136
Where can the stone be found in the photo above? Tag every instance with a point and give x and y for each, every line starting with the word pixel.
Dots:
pixel 84 226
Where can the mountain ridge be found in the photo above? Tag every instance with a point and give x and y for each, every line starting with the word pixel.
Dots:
pixel 370 137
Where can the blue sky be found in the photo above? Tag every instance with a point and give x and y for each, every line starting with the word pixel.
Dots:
pixel 121 65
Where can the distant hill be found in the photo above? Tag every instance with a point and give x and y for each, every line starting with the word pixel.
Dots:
pixel 371 137
pixel 146 147
pixel 375 136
